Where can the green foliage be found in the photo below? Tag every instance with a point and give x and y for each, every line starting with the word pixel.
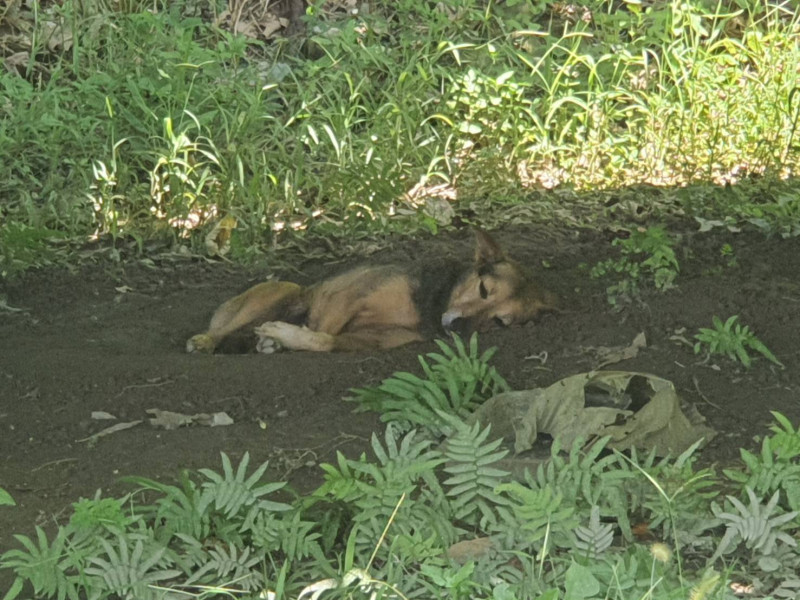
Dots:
pixel 23 246
pixel 90 516
pixel 472 477
pixel 155 120
pixel 594 538
pixel 647 258
pixel 756 526
pixel 733 340
pixel 552 534
pixel 372 490
pixel 674 495
pixel 588 479
pixel 6 499
pixel 776 467
pixel 541 514
pixel 194 535
pixel 781 217
pixel 459 379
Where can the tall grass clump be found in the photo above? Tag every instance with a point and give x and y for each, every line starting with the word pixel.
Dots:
pixel 151 118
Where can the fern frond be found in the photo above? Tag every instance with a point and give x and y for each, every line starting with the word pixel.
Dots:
pixel 473 478
pixel 596 537
pixel 754 526
pixel 231 492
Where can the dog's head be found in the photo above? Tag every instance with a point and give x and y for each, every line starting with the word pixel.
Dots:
pixel 496 292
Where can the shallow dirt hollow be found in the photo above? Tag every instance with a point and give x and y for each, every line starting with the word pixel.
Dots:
pixel 111 339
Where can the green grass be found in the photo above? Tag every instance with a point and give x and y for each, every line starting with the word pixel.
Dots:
pixel 153 124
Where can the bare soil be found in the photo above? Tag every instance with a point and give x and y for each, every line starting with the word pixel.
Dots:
pixel 111 337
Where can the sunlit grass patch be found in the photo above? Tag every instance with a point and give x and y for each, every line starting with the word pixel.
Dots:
pixel 156 122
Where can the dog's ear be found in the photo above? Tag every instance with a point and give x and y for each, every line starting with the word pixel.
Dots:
pixel 487 251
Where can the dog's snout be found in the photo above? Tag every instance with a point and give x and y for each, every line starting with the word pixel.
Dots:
pixel 455 324
pixel 450 317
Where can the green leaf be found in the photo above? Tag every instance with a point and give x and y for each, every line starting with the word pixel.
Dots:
pixel 579 583
pixel 15 589
pixel 6 499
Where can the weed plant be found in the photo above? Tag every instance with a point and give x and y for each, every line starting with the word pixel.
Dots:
pixel 732 339
pixel 646 260
pixel 421 519
pixel 152 120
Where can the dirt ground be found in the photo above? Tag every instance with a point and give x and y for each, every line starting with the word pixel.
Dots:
pixel 111 338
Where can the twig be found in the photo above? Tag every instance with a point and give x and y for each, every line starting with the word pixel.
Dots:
pixel 702 395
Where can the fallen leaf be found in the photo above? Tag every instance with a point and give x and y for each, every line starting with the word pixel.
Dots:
pixel 636 409
pixel 101 415
pixel 218 240
pixel 609 355
pixel 172 420
pixel 468 550
pixel 167 419
pixel 217 419
pixel 18 59
pixel 110 430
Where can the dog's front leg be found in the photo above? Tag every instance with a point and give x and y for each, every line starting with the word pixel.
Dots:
pixel 274 335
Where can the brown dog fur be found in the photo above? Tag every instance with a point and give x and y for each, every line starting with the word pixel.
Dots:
pixel 381 307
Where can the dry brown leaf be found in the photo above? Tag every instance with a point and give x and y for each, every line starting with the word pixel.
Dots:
pixel 606 355
pixel 58 36
pixel 18 59
pixel 101 415
pixel 167 419
pixel 109 430
pixel 467 550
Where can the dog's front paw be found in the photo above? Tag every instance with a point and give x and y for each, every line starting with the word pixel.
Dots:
pixel 200 343
pixel 268 345
pixel 291 337
pixel 271 335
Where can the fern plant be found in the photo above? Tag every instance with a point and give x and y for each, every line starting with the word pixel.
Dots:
pixel 130 568
pixel 405 468
pixel 732 340
pixel 47 565
pixel 775 467
pixel 454 383
pixel 785 438
pixel 587 478
pixel 594 538
pixel 473 478
pixel 670 495
pixel 199 533
pixel 541 518
pixel 227 562
pixel 756 526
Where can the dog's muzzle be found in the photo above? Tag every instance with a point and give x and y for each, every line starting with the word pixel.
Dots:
pixel 450 317
pixel 453 321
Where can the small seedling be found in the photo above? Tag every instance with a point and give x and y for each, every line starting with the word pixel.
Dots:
pixel 647 258
pixel 728 255
pixel 733 340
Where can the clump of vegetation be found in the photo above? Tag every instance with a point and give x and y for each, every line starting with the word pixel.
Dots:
pixel 154 119
pixel 459 380
pixel 647 259
pixel 732 339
